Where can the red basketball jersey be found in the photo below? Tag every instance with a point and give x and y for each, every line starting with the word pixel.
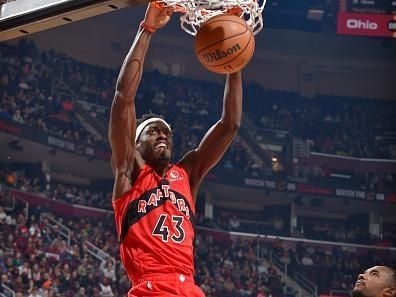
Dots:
pixel 155 224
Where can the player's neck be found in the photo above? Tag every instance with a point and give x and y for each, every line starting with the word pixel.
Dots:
pixel 160 168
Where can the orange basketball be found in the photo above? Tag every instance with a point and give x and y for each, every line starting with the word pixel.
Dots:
pixel 224 44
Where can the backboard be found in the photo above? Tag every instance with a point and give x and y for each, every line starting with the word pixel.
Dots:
pixel 22 17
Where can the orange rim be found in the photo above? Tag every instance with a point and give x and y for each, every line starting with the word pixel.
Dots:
pixel 235 10
pixel 178 8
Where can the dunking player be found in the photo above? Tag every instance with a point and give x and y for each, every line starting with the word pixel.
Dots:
pixel 153 200
pixel 377 281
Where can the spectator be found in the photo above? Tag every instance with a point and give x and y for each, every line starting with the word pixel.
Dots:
pixel 105 288
pixel 17 117
pixel 234 223
pixel 307 260
pixel 35 293
pixel 108 270
pixel 81 293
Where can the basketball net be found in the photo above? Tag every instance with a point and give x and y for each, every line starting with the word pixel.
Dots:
pixel 195 12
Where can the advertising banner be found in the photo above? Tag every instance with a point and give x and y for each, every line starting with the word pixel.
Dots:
pixel 363 24
pixel 282 185
pixel 371 6
pixel 56 141
pixel 60 207
pixel 311 189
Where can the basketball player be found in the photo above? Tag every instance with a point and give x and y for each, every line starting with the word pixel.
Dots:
pixel 377 281
pixel 153 200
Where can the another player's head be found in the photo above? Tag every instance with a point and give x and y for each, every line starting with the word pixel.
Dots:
pixel 154 139
pixel 377 281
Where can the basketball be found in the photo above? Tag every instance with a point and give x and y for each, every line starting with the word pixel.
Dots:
pixel 224 44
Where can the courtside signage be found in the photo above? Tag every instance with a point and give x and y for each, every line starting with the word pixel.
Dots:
pixel 381 25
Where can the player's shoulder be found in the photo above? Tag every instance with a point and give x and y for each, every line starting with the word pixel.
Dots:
pixel 139 166
pixel 177 170
pixel 187 162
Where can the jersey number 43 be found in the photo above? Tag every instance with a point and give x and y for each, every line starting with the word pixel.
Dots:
pixel 162 230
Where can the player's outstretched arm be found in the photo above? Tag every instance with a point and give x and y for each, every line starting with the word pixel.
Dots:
pixel 220 135
pixel 122 127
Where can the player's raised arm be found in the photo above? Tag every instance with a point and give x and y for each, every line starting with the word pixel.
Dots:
pixel 122 127
pixel 219 137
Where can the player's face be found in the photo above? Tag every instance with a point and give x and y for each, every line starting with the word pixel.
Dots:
pixel 374 282
pixel 155 142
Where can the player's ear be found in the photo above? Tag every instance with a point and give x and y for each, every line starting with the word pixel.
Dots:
pixel 389 292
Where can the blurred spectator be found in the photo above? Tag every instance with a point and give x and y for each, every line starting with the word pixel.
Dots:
pixel 80 293
pixel 40 90
pixel 108 270
pixel 336 125
pixel 234 223
pixel 105 288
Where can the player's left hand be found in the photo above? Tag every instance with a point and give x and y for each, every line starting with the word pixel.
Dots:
pixel 157 15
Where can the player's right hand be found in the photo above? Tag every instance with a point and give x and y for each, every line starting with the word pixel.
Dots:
pixel 157 15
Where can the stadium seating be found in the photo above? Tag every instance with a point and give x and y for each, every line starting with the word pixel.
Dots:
pixel 41 89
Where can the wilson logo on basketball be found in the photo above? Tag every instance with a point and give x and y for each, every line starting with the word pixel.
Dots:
pixel 218 54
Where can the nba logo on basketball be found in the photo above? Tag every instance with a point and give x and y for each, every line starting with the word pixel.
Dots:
pixel 175 175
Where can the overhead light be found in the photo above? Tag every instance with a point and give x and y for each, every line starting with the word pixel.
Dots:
pixel 274 159
pixel 315 14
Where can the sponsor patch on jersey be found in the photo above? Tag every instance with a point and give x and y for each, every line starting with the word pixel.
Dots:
pixel 175 175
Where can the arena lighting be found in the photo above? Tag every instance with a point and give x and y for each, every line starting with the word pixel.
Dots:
pixel 315 14
pixel 274 159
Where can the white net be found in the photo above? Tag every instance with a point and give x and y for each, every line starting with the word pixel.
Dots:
pixel 195 12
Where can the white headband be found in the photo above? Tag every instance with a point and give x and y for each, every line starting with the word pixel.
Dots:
pixel 143 124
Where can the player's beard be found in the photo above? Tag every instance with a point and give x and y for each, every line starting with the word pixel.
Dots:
pixel 358 293
pixel 164 156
